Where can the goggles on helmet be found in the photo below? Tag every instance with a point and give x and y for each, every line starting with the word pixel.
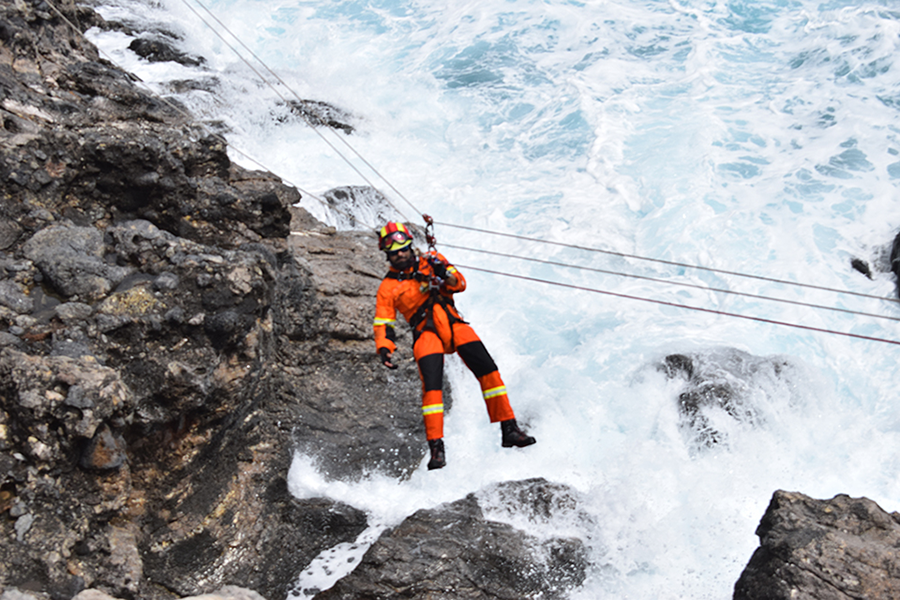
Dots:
pixel 393 237
pixel 397 241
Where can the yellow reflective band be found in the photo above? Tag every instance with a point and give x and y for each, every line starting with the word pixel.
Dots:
pixel 494 392
pixel 432 409
pixel 452 269
pixel 381 321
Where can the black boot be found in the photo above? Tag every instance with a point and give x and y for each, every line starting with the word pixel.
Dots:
pixel 513 436
pixel 438 460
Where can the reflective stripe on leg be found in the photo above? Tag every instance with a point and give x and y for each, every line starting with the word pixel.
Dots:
pixel 495 397
pixel 433 414
pixel 493 392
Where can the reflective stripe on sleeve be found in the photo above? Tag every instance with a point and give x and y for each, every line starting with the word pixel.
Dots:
pixel 432 409
pixel 383 321
pixel 494 392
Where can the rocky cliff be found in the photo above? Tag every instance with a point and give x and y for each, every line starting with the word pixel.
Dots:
pixel 163 340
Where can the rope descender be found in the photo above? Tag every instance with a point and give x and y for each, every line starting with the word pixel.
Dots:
pixel 429 233
pixel 434 283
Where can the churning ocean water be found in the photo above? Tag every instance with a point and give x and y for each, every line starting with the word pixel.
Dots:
pixel 750 136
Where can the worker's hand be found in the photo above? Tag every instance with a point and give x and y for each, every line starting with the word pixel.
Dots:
pixel 386 358
pixel 439 266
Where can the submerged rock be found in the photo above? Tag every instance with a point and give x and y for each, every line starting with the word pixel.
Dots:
pixel 320 114
pixel 726 386
pixel 354 205
pixel 839 549
pixel 162 50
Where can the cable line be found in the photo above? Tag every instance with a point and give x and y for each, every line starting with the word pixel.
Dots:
pixel 297 96
pixel 671 282
pixel 684 306
pixel 430 221
pixel 411 205
pixel 665 262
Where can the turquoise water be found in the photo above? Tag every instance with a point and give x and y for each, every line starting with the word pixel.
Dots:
pixel 758 137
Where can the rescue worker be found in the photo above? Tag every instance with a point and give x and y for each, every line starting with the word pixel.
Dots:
pixel 422 288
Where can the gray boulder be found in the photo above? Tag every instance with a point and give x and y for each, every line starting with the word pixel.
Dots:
pixel 839 549
pixel 72 261
pixel 454 551
pixel 12 296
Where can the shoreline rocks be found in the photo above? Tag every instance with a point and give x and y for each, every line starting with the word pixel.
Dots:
pixel 834 549
pixel 453 551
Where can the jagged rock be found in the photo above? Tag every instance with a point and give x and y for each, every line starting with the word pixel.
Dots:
pixel 92 594
pixel 9 233
pixel 13 296
pixel 161 50
pixel 834 549
pixel 35 390
pixel 16 594
pixel 453 551
pixel 228 592
pixel 71 260
pixel 105 451
pixel 895 260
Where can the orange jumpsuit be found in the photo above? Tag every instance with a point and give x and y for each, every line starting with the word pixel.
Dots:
pixel 438 329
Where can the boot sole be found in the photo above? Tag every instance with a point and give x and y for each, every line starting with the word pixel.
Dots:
pixel 517 444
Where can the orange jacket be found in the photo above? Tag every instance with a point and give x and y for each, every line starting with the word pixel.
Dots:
pixel 405 292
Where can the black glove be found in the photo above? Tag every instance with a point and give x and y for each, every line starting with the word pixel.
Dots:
pixel 386 358
pixel 438 266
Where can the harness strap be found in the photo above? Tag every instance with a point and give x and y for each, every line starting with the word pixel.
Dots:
pixel 426 313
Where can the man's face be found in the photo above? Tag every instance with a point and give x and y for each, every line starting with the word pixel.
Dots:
pixel 401 259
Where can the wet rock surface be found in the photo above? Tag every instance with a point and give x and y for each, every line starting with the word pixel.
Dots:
pixel 453 551
pixel 351 414
pixel 823 550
